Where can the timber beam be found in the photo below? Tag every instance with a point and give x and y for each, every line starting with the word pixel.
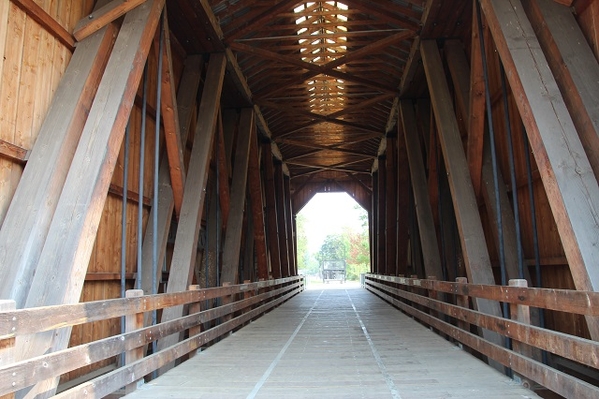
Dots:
pixel 186 99
pixel 232 244
pixel 282 219
pixel 186 242
pixel 472 236
pixel 424 213
pixel 391 205
pixel 565 170
pixel 63 262
pixel 574 66
pixel 28 218
pixel 271 211
pixel 257 206
pixel 381 217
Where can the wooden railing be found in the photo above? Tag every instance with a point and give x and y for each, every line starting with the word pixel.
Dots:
pixel 445 306
pixel 239 304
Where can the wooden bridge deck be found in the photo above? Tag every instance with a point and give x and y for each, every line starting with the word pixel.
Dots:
pixel 338 342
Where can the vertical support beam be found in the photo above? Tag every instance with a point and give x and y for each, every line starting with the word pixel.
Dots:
pixel 186 99
pixel 381 217
pixel 63 261
pixel 271 210
pixel 281 219
pixel 458 66
pixel 476 109
pixel 223 157
pixel 424 213
pixel 213 234
pixel 574 66
pixel 232 245
pixel 249 264
pixel 403 202
pixel 255 189
pixel 28 218
pixel 373 222
pixel 391 204
pixel 186 243
pixel 290 226
pixel 472 236
pixel 134 322
pixel 565 170
pixel 170 121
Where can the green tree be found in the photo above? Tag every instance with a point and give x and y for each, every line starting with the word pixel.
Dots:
pixel 334 247
pixel 305 260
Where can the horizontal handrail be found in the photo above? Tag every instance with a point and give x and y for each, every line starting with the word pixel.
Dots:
pixel 255 299
pixel 416 297
pixel 571 301
pixel 46 318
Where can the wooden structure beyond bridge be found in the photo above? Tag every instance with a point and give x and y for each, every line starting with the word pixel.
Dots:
pixel 154 155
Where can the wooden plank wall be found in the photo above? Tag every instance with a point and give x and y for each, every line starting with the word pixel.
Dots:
pixel 554 267
pixel 103 275
pixel 32 62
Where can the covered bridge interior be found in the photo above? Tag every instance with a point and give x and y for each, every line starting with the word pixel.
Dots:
pixel 159 151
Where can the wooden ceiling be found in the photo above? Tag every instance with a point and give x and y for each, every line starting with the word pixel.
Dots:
pixel 324 74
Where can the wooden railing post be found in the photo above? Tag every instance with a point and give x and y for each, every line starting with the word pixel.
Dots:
pixel 464 302
pixel 227 299
pixel 247 294
pixel 7 346
pixel 520 313
pixel 433 294
pixel 134 322
pixel 195 307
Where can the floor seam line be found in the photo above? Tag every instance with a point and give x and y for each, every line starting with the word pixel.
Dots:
pixel 390 384
pixel 277 359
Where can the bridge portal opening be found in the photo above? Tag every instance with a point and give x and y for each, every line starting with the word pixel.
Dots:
pixel 333 246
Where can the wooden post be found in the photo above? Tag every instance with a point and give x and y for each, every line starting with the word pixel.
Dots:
pixel 424 214
pixel 186 99
pixel 373 223
pixel 476 106
pixel 520 313
pixel 232 245
pixel 247 295
pixel 25 226
pixel 464 302
pixel 574 66
pixel 391 204
pixel 565 170
pixel 281 219
pixel 194 308
pixel 403 201
pixel 256 201
pixel 271 210
pixel 458 66
pixel 134 322
pixel 7 345
pixel 184 252
pixel 290 225
pixel 222 159
pixel 472 236
pixel 381 241
pixel 65 256
pixel 175 146
pixel 433 294
pixel 227 299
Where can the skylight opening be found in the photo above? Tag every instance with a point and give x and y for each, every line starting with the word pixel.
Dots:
pixel 323 31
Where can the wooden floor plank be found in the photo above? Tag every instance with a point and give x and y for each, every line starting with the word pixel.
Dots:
pixel 342 342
